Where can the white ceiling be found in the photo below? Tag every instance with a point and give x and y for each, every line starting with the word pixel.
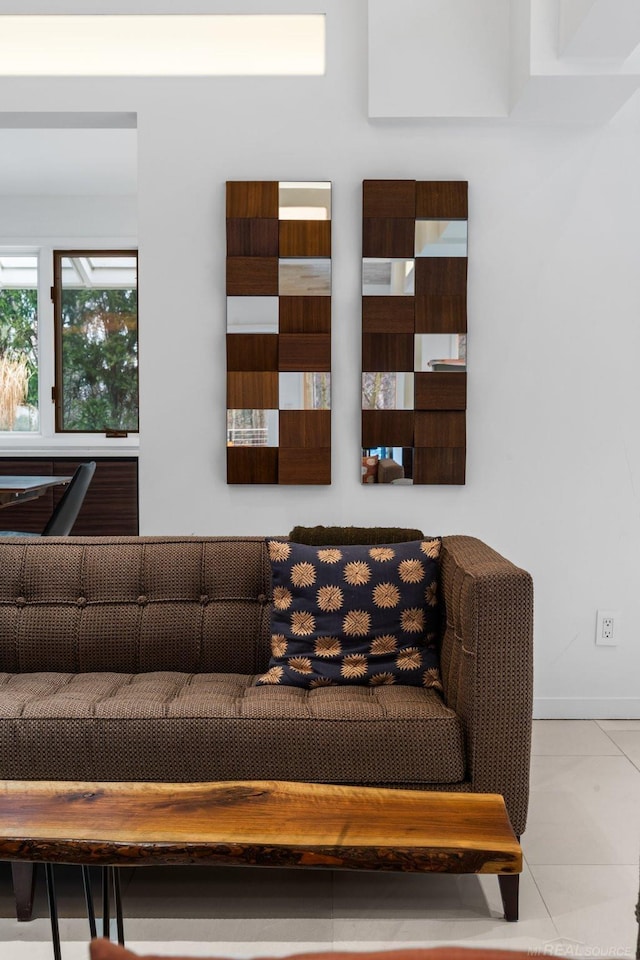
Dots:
pixel 59 162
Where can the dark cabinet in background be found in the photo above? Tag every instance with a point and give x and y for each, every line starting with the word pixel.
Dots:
pixel 110 507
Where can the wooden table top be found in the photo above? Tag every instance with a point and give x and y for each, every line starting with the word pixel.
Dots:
pixel 18 489
pixel 269 823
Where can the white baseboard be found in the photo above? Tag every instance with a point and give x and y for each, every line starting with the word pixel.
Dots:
pixel 586 708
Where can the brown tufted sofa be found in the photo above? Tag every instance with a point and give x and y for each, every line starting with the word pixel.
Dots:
pixel 134 659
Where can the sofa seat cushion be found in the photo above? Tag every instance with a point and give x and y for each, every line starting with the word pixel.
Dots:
pixel 182 726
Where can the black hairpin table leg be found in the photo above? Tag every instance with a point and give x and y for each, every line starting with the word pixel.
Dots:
pixel 111 886
pixel 118 898
pixel 106 902
pixel 53 911
pixel 88 896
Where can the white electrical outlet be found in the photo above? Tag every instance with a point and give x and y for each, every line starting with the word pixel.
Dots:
pixel 608 626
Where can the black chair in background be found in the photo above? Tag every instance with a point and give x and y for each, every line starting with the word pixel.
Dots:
pixel 61 521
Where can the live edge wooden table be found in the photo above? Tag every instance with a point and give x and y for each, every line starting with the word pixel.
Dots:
pixel 257 823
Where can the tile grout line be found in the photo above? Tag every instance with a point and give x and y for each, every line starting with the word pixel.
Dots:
pixel 546 906
pixel 622 750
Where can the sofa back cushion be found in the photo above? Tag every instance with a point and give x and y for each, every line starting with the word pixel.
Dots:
pixel 321 536
pixel 134 604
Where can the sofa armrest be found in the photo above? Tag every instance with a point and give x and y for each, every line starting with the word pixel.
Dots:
pixel 487 667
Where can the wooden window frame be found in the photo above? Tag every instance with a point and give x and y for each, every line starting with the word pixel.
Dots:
pixel 56 297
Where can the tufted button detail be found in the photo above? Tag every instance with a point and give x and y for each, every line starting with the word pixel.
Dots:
pixel 21 602
pixel 81 601
pixel 142 600
pixel 204 598
pixel 262 598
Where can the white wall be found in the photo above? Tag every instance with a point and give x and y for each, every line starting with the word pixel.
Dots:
pixel 25 219
pixel 554 419
pixel 439 58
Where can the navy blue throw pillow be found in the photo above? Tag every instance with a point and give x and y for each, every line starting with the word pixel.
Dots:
pixel 365 615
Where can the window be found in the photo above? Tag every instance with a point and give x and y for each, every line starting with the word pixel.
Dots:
pixel 19 410
pixel 96 341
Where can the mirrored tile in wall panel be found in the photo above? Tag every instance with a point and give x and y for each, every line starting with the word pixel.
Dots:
pixel 437 352
pixel 304 278
pixel 441 238
pixel 252 314
pixel 385 277
pixel 304 391
pixel 252 428
pixel 387 391
pixel 304 200
pixel 390 465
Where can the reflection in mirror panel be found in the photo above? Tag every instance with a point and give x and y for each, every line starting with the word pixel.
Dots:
pixel 252 315
pixel 393 465
pixel 384 277
pixel 441 238
pixel 252 428
pixel 387 391
pixel 304 200
pixel 304 278
pixel 438 352
pixel 304 391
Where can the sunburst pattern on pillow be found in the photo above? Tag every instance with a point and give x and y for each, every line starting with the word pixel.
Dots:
pixel 354 614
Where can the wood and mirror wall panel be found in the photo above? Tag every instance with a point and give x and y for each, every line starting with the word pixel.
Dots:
pixel 279 332
pixel 414 331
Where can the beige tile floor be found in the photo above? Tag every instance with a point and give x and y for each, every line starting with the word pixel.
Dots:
pixel 578 889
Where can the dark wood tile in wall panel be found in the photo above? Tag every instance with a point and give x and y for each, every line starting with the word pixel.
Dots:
pixel 252 465
pixel 442 199
pixel 387 428
pixel 444 428
pixel 32 515
pixel 252 237
pixel 252 198
pixel 110 507
pixel 305 238
pixel 252 391
pixel 441 391
pixel 389 198
pixel 305 314
pixel 252 351
pixel 252 276
pixel 387 352
pixel 439 465
pixel 441 314
pixel 309 466
pixel 444 276
pixel 388 237
pixel 387 314
pixel 304 351
pixel 305 429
